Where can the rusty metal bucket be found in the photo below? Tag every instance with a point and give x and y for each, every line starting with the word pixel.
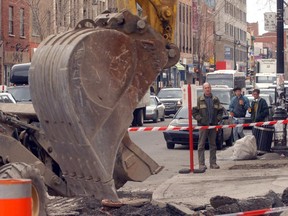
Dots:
pixel 84 85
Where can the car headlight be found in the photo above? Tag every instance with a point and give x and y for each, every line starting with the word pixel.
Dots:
pixel 179 103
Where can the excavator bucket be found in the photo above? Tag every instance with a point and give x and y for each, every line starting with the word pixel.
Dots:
pixel 85 84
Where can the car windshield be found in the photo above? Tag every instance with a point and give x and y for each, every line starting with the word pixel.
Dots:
pixel 170 93
pixel 20 93
pixel 223 95
pixel 271 92
pixel 265 79
pixel 221 79
pixel 267 98
pixel 182 113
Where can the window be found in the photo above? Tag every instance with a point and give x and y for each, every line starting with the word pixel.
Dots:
pixel 35 24
pixel 49 22
pixel 226 28
pixel 226 7
pixel 231 31
pixel 11 30
pixel 22 33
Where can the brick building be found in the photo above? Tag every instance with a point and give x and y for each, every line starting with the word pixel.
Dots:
pixel 33 23
pixel 14 39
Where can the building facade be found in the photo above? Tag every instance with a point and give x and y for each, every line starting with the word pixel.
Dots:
pixel 14 39
pixel 231 33
pixel 33 21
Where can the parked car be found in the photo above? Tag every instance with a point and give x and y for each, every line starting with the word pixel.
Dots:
pixel 6 97
pixel 155 110
pixel 182 136
pixel 171 98
pixel 21 93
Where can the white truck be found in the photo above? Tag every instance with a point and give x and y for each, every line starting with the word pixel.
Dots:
pixel 266 73
pixel 223 92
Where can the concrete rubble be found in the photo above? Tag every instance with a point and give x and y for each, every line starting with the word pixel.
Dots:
pixel 238 186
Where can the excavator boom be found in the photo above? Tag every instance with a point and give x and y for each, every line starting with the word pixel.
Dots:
pixel 160 14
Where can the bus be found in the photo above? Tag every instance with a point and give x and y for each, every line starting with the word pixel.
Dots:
pixel 19 78
pixel 19 74
pixel 230 78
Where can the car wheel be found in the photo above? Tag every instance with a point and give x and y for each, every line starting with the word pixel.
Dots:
pixel 229 142
pixel 219 139
pixel 138 118
pixel 155 120
pixel 170 145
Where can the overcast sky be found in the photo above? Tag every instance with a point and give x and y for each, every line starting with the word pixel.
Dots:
pixel 256 10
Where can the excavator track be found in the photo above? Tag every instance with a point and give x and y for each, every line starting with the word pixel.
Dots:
pixel 85 84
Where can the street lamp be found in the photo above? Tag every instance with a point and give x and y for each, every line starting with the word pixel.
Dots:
pixel 236 42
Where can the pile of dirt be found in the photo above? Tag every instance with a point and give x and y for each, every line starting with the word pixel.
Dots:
pixel 145 210
pixel 89 206
pixel 226 205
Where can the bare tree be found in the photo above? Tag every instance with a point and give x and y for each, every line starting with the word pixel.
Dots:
pixel 52 17
pixel 203 37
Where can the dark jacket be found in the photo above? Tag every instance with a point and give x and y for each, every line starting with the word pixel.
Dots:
pixel 200 112
pixel 262 111
pixel 239 110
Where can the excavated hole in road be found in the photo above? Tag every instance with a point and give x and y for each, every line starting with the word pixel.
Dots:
pixel 88 206
pixel 146 208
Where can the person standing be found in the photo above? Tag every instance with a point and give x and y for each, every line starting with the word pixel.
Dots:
pixel 238 107
pixel 208 111
pixel 259 107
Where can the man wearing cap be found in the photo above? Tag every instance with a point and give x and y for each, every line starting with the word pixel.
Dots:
pixel 238 107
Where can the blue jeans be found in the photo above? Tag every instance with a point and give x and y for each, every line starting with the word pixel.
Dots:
pixel 238 131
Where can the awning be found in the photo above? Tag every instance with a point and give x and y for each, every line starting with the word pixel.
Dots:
pixel 180 66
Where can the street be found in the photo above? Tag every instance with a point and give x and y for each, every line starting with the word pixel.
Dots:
pixel 154 145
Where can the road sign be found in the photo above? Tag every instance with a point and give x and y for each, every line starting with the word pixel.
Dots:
pixel 270 21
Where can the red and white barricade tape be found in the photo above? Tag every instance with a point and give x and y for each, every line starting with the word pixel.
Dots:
pixel 168 128
pixel 258 212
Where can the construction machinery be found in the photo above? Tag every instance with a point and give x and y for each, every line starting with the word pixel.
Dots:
pixel 85 84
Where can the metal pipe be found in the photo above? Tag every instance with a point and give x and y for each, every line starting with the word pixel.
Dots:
pixel 280 37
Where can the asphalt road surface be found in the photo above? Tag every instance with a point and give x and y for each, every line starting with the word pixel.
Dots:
pixel 153 143
pixel 173 160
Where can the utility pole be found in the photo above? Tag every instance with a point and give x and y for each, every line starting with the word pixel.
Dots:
pixel 280 133
pixel 280 39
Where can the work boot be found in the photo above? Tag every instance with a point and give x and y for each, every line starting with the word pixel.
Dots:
pixel 202 167
pixel 214 166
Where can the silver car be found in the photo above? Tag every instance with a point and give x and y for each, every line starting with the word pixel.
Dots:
pixel 156 110
pixel 6 97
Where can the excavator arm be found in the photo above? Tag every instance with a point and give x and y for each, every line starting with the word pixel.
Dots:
pixel 85 84
pixel 160 14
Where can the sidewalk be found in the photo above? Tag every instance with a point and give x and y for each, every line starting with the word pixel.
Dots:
pixel 235 179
